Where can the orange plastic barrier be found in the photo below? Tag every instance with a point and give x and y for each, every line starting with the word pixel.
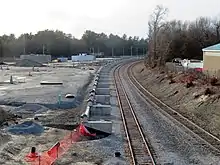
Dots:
pixel 58 149
pixel 84 131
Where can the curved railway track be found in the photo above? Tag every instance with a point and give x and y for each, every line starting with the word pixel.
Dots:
pixel 204 135
pixel 139 149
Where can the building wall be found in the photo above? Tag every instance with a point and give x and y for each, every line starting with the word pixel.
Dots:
pixel 37 58
pixel 81 58
pixel 211 63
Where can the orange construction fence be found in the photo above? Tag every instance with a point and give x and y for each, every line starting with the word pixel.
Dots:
pixel 58 149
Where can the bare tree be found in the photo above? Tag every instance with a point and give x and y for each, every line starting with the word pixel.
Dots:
pixel 1 52
pixel 155 23
pixel 216 23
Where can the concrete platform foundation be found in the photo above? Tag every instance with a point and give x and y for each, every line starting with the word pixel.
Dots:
pixel 104 79
pixel 103 85
pixel 102 91
pixel 104 126
pixel 101 110
pixel 102 99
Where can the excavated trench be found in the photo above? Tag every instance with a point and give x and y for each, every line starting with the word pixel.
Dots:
pixel 71 127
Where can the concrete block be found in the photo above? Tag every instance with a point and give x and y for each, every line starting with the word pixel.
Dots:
pixel 104 79
pixel 101 110
pixel 102 99
pixel 104 76
pixel 104 126
pixel 102 91
pixel 103 85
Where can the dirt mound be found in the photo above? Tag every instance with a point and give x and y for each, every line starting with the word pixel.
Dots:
pixel 4 115
pixel 28 63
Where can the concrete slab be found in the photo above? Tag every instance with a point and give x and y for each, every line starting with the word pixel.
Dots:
pixel 104 76
pixel 50 83
pixel 102 91
pixel 116 116
pixel 104 126
pixel 103 99
pixel 101 110
pixel 103 85
pixel 101 79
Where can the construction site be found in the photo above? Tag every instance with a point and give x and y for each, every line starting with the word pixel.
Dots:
pixel 58 113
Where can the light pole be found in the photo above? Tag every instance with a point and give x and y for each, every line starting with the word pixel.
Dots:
pixel 43 49
pixel 112 52
pixel 123 51
pixel 137 51
pixel 24 44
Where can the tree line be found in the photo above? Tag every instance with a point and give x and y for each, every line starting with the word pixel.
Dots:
pixel 58 43
pixel 179 39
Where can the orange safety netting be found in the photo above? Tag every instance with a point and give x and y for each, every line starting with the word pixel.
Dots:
pixel 55 152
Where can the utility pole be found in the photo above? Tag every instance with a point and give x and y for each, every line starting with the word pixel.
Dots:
pixel 112 52
pixel 24 44
pixel 43 48
pixel 131 50
pixel 1 52
pixel 136 51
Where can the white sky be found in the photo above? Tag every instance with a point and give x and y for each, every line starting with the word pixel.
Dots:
pixel 109 16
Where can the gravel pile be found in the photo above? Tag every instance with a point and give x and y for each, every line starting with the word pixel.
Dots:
pixel 172 143
pixel 94 152
pixel 28 63
pixel 4 115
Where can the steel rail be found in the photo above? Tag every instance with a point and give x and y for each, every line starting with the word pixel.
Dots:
pixel 121 92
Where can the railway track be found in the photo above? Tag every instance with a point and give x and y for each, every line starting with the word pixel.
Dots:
pixel 204 135
pixel 139 149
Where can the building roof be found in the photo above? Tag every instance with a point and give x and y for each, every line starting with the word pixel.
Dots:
pixel 212 48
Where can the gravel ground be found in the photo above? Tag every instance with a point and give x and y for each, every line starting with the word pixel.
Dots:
pixel 172 143
pixel 203 109
pixel 13 97
pixel 93 152
pixel 31 91
pixel 97 152
pixel 60 121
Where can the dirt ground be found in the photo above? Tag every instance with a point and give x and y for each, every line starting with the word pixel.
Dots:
pixel 26 98
pixel 194 102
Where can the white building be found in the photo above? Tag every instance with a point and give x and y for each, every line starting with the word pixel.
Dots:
pixel 191 64
pixel 83 57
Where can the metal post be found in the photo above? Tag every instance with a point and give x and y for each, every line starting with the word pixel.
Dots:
pixel 123 51
pixel 24 45
pixel 112 52
pixel 43 49
pixel 136 51
pixel 71 138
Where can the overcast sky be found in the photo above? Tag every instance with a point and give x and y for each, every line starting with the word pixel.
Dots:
pixel 109 16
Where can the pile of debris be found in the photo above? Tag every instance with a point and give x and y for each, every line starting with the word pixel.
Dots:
pixel 28 63
pixel 4 115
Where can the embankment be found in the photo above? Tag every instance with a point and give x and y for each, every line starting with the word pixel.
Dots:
pixel 200 102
